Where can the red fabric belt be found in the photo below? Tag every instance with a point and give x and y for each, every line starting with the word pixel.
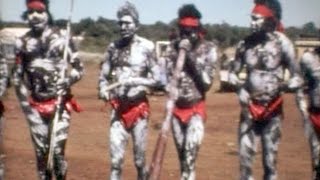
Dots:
pixel 185 114
pixel 47 108
pixel 261 112
pixel 130 114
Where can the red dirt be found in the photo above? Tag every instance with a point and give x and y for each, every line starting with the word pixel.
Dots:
pixel 88 155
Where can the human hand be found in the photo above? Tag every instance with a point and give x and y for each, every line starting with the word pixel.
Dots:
pixel 105 95
pixel 62 86
pixel 130 81
pixel 172 91
pixel 295 83
pixel 135 81
pixel 185 44
pixel 233 79
pixel 244 96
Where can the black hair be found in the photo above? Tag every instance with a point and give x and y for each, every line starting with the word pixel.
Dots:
pixel 130 10
pixel 189 10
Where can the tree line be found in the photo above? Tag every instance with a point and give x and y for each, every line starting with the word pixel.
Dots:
pixel 100 32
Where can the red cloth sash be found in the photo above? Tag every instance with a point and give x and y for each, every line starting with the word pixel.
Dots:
pixel 131 113
pixel 315 119
pixel 48 108
pixel 185 114
pixel 261 112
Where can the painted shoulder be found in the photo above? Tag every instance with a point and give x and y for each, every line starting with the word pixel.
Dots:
pixel 308 57
pixel 285 41
pixel 145 43
pixel 209 47
pixel 111 47
pixel 19 43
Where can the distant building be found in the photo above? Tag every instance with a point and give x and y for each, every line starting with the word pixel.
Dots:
pixel 8 37
pixel 161 47
pixel 304 43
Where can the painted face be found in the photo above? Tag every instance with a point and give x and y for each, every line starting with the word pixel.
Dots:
pixel 38 19
pixel 190 33
pixel 257 22
pixel 128 27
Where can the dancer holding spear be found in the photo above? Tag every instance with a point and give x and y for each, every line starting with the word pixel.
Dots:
pixel 46 67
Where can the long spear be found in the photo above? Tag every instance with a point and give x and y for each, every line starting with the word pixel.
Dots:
pixel 59 104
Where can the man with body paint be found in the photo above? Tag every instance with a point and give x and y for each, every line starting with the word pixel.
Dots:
pixel 128 61
pixel 37 76
pixel 3 86
pixel 265 53
pixel 194 81
pixel 310 68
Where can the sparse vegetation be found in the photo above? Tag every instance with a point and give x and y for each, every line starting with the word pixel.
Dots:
pixel 98 33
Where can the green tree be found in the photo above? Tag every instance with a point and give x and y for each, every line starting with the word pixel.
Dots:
pixel 102 31
pixel 1 24
pixel 293 33
pixel 61 23
pixel 310 29
pixel 83 25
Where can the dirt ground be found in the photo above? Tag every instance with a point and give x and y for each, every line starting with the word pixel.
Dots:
pixel 87 150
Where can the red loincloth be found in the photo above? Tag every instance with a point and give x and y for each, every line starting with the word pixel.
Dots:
pixel 185 114
pixel 48 108
pixel 131 113
pixel 262 112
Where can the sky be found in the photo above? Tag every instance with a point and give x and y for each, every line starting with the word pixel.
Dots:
pixel 235 12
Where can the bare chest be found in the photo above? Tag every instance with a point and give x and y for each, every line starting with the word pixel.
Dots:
pixel 266 56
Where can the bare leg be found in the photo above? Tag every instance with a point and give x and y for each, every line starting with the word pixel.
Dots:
pixel 310 133
pixel 270 138
pixel 139 134
pixel 247 145
pixel 118 142
pixel 61 140
pixel 314 147
pixel 39 129
pixel 188 139
pixel 1 147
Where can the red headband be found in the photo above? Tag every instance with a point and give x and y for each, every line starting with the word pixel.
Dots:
pixel 267 12
pixel 189 21
pixel 37 5
pixel 263 10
